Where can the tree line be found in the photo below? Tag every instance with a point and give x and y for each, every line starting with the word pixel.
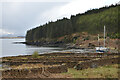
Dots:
pixel 92 22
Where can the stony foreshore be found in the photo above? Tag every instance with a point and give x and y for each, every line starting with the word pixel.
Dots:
pixel 80 44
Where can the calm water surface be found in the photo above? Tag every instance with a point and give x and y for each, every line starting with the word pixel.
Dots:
pixel 7 48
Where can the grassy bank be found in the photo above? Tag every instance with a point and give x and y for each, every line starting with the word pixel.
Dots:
pixel 109 71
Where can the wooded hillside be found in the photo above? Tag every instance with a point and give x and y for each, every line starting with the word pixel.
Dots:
pixel 91 22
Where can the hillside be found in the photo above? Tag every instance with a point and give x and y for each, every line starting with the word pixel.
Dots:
pixel 90 22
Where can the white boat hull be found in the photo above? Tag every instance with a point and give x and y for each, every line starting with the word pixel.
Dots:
pixel 101 49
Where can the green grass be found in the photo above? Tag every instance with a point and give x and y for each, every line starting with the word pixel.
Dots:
pixel 35 54
pixel 110 71
pixel 23 58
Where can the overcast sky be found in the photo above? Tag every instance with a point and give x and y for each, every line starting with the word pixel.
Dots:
pixel 18 16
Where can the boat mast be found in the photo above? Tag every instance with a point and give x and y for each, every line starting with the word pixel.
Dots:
pixel 104 35
pixel 98 41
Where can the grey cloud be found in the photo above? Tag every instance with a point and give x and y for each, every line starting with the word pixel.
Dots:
pixel 20 17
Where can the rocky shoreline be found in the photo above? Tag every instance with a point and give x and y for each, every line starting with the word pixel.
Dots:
pixel 85 46
pixel 57 44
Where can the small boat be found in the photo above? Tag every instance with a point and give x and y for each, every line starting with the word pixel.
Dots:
pixel 102 48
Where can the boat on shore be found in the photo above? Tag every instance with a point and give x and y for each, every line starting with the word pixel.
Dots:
pixel 102 48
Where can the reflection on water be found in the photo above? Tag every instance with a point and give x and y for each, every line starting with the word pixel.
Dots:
pixel 10 49
pixel 31 49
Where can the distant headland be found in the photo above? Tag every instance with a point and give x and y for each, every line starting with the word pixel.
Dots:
pixel 12 37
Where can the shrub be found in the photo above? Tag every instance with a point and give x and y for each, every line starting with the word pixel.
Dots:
pixel 87 38
pixel 35 54
pixel 74 41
